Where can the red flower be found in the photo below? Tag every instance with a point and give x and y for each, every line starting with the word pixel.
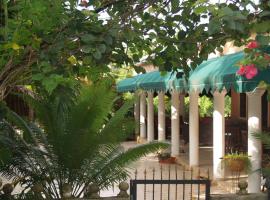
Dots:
pixel 241 71
pixel 251 71
pixel 253 45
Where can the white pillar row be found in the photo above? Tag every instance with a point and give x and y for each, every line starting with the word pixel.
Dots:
pixel 142 116
pixel 137 113
pixel 218 133
pixel 254 145
pixel 175 135
pixel 182 105
pixel 161 117
pixel 193 129
pixel 150 117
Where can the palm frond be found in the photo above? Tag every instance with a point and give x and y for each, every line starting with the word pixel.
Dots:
pixel 119 127
pixel 264 137
pixel 75 139
pixel 22 125
pixel 116 161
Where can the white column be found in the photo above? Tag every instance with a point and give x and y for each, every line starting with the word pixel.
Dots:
pixel 175 136
pixel 137 113
pixel 254 145
pixel 182 105
pixel 268 114
pixel 161 117
pixel 193 129
pixel 150 117
pixel 218 134
pixel 142 116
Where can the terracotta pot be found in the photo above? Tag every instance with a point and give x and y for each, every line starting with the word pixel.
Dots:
pixel 170 160
pixel 236 165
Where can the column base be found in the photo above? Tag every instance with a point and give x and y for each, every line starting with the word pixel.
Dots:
pixel 141 140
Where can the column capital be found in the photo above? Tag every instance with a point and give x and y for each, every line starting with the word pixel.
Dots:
pixel 221 93
pixel 161 92
pixel 150 93
pixel 175 92
pixel 256 92
pixel 194 92
pixel 141 92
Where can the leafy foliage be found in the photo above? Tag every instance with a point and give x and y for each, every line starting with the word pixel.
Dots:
pixel 75 141
pixel 84 40
pixel 265 138
pixel 206 106
pixel 237 161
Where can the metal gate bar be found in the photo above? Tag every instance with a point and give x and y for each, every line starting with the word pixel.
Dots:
pixel 134 183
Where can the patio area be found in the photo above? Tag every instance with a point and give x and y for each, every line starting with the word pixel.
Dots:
pixel 180 170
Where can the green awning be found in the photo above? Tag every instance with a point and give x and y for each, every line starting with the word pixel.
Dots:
pixel 219 73
pixel 153 81
pixel 127 85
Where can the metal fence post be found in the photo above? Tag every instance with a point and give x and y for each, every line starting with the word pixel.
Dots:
pixel 207 189
pixel 133 190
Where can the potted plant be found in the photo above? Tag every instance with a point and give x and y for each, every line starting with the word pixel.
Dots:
pixel 165 157
pixel 237 162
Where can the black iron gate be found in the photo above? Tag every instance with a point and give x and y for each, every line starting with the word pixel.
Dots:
pixel 170 188
pixel 182 195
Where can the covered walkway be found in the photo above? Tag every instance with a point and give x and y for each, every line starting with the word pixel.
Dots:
pixel 217 76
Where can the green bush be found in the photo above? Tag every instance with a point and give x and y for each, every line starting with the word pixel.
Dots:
pixel 206 107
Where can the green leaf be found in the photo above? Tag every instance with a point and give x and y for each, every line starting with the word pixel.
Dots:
pixel 87 60
pixel 108 40
pixel 175 6
pixel 102 48
pixel 37 77
pixel 263 40
pixel 86 49
pixel 226 11
pixel 234 25
pixel 238 16
pixel 261 27
pixel 88 38
pixel 97 55
pixel 200 9
pixel 214 26
pixel 50 84
pixel 72 59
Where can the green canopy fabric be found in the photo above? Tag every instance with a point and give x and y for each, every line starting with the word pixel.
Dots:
pixel 127 85
pixel 153 81
pixel 219 73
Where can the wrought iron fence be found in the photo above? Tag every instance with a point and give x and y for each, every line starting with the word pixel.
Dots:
pixel 170 183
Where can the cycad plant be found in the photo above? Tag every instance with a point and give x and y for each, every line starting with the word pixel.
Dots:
pixel 74 142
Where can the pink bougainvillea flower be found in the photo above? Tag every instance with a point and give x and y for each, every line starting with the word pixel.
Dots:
pixel 251 71
pixel 253 45
pixel 241 71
